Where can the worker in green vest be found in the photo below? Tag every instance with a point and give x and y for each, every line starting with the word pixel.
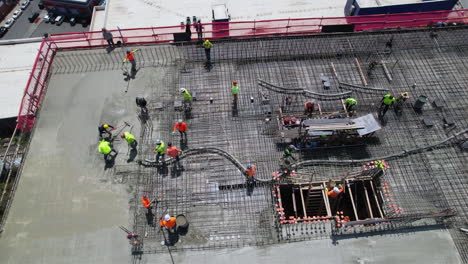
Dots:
pixel 235 92
pixel 350 105
pixel 160 150
pixel 386 101
pixel 287 153
pixel 130 139
pixel 207 45
pixel 105 148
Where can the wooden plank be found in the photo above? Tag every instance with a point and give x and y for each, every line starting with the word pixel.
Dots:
pixel 352 200
pixel 376 199
pixel 358 64
pixel 368 202
pixel 303 203
pixel 334 70
pixel 326 200
pixel 294 203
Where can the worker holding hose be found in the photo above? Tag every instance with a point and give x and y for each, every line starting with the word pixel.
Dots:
pixel 129 57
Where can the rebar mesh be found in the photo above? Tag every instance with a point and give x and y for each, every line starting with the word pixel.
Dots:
pixel 422 62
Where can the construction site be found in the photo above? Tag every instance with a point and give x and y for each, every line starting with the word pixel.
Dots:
pixel 401 175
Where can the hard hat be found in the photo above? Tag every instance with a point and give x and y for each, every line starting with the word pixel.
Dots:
pixel 291 147
pixel 179 121
pixel 158 142
pixel 167 217
pixel 145 196
pixel 128 52
pixel 169 144
pixel 207 41
pixel 336 190
pixel 249 166
pixel 122 135
pixel 234 82
pixel 182 90
pixel 106 126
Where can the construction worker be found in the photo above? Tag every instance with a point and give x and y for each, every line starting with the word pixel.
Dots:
pixel 103 129
pixel 160 150
pixel 250 172
pixel 287 153
pixel 207 45
pixel 147 202
pixel 187 97
pixel 235 92
pixel 309 108
pixel 335 191
pixel 130 139
pixel 168 222
pixel 387 101
pixel 350 105
pixel 129 57
pixel 173 152
pixel 107 35
pixel 199 28
pixel 105 148
pixel 400 100
pixel 181 126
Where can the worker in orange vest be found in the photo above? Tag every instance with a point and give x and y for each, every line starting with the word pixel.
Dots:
pixel 147 202
pixel 250 172
pixel 129 57
pixel 181 126
pixel 168 222
pixel 173 152
pixel 309 108
pixel 335 191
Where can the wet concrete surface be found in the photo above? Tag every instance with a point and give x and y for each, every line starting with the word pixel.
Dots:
pixel 67 208
pixel 419 247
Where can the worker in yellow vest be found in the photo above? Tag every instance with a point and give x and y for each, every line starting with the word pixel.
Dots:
pixel 160 150
pixel 130 139
pixel 105 148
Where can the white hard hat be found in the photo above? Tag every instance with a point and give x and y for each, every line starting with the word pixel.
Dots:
pixel 167 217
pixel 182 90
pixel 336 190
pixel 179 121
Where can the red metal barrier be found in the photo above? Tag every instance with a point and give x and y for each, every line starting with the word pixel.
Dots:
pixel 243 29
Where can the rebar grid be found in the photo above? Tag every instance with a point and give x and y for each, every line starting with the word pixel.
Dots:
pixel 435 61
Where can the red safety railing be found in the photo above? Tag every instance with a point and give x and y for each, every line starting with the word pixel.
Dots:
pixel 244 29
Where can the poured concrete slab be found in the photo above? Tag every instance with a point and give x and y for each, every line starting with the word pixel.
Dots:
pixel 419 247
pixel 67 208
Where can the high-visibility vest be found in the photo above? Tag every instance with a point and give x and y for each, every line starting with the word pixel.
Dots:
pixel 235 89
pixel 207 44
pixel 387 100
pixel 104 147
pixel 161 148
pixel 169 223
pixel 251 172
pixel 187 95
pixel 129 137
pixel 173 151
pixel 182 127
pixel 351 101
pixel 146 202
pixel 333 194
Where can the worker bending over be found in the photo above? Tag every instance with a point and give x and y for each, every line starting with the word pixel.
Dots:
pixel 309 108
pixel 350 105
pixel 173 152
pixel 335 191
pixel 180 126
pixel 104 129
pixel 288 152
pixel 105 148
pixel 130 139
pixel 168 222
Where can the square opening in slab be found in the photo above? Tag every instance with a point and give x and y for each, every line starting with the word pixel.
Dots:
pixel 358 201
